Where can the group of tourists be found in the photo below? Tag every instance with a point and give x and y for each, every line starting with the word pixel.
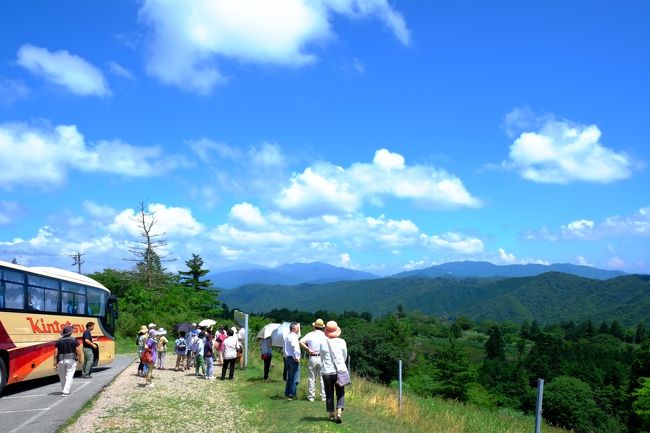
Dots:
pixel 200 348
pixel 67 352
pixel 327 370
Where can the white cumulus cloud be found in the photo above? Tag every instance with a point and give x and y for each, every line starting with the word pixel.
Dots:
pixel 44 155
pixel 563 152
pixel 328 189
pixel 188 38
pixel 454 242
pixel 64 69
pixel 248 214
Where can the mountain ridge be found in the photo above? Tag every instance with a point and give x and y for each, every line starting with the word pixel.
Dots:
pixel 549 297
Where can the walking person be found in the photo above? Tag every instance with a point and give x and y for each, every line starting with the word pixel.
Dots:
pixel 230 347
pixel 88 347
pixel 180 349
pixel 208 354
pixel 162 348
pixel 292 360
pixel 266 354
pixel 311 343
pixel 150 355
pixel 333 354
pixel 140 340
pixel 66 354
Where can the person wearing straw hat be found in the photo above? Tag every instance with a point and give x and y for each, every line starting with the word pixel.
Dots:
pixel 142 338
pixel 162 348
pixel 333 353
pixel 311 343
pixel 66 354
pixel 151 346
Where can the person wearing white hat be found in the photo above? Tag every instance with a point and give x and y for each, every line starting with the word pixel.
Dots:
pixel 162 348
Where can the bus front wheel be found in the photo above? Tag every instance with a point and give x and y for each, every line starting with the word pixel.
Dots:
pixel 3 375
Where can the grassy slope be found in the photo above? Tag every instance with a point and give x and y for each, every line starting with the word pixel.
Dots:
pixel 369 408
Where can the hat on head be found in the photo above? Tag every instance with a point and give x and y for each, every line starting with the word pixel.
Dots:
pixel 67 331
pixel 318 324
pixel 152 325
pixel 143 329
pixel 332 329
pixel 153 333
pixel 162 331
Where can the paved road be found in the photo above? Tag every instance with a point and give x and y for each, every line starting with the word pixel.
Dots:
pixel 36 406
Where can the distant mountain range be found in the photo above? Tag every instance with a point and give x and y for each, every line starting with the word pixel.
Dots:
pixel 486 269
pixel 549 297
pixel 299 273
pixel 288 274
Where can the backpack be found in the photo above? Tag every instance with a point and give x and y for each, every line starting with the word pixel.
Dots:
pixel 195 345
pixel 181 346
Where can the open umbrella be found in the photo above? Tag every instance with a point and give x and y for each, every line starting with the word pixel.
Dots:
pixel 184 327
pixel 267 330
pixel 279 334
pixel 207 322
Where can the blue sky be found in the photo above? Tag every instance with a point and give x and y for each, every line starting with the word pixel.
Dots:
pixel 381 136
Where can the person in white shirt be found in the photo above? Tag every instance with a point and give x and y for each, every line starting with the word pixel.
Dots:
pixel 311 343
pixel 292 360
pixel 333 354
pixel 230 346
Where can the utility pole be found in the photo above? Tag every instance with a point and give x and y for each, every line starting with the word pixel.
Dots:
pixel 77 261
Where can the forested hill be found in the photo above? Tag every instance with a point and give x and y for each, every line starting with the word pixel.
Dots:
pixel 485 269
pixel 550 297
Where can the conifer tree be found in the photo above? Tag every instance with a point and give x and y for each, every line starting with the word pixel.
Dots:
pixel 192 277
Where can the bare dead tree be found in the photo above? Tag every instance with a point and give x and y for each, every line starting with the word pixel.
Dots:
pixel 149 261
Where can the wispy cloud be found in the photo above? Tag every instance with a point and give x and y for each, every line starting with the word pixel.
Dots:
pixel 120 71
pixel 187 39
pixel 636 224
pixel 12 91
pixel 64 69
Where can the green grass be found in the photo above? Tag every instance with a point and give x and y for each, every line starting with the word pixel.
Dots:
pixel 125 346
pixel 369 408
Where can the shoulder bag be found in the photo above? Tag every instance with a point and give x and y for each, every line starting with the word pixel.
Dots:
pixel 342 376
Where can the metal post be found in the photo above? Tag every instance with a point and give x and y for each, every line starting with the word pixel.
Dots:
pixel 246 341
pixel 400 383
pixel 538 410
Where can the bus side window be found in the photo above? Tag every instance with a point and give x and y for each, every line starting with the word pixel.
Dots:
pixel 14 289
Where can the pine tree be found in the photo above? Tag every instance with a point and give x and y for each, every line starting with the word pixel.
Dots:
pixel 192 277
pixel 616 330
pixel 495 346
pixel 453 372
pixel 641 333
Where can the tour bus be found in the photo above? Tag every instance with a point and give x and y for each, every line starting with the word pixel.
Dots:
pixel 35 304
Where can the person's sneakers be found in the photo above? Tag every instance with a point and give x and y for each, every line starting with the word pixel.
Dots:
pixel 149 385
pixel 310 399
pixel 65 394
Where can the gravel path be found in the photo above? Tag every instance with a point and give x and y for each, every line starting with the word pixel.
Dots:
pixel 178 402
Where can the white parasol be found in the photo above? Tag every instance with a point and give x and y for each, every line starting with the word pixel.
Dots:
pixel 267 330
pixel 207 322
pixel 279 334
